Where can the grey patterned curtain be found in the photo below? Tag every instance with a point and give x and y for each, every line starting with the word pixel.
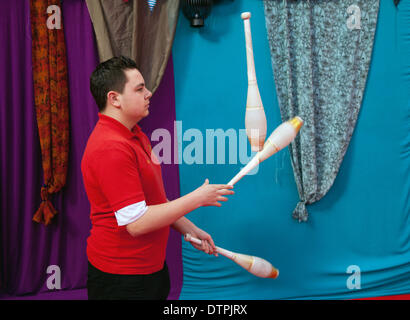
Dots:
pixel 129 28
pixel 321 52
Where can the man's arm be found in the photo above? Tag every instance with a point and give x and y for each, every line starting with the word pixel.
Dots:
pixel 165 214
pixel 183 225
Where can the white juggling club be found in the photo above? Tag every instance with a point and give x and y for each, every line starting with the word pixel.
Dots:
pixel 281 137
pixel 255 119
pixel 255 265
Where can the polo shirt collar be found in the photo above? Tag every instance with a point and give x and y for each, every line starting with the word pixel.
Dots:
pixel 118 126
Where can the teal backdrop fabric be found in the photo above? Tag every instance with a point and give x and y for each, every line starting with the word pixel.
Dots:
pixel 363 222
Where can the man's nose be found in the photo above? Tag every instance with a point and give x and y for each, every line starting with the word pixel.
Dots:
pixel 148 95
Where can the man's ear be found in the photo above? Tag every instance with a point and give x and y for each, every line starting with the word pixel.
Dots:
pixel 113 99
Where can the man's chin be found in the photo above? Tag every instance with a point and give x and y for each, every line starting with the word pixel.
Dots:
pixel 146 114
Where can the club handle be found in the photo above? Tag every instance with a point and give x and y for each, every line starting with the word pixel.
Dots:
pixel 245 170
pixel 250 62
pixel 190 238
pixel 222 251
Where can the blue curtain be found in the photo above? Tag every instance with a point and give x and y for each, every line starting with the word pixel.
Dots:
pixel 363 222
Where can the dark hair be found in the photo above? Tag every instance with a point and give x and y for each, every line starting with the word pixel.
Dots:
pixel 109 76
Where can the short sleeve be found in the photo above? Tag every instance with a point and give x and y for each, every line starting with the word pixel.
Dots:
pixel 118 176
pixel 130 213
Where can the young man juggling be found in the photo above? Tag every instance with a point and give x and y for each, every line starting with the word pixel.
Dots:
pixel 130 214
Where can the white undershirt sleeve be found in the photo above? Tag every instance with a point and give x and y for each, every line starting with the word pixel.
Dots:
pixel 130 213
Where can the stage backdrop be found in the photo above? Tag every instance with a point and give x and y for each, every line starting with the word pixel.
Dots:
pixel 27 249
pixel 357 240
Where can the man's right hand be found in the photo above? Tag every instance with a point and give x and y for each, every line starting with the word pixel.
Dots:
pixel 211 194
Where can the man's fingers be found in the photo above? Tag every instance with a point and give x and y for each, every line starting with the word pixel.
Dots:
pixel 211 249
pixel 223 186
pixel 206 246
pixel 225 192
pixel 211 245
pixel 211 242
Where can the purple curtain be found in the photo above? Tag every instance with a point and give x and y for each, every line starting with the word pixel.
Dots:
pixel 27 248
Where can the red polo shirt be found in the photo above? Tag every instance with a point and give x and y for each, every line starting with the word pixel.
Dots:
pixel 117 172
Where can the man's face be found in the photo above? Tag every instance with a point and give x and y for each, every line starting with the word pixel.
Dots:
pixel 135 96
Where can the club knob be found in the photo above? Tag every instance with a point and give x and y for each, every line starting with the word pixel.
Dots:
pixel 245 15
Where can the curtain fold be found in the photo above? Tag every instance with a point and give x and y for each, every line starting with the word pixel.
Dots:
pixel 320 53
pixel 51 103
pixel 130 28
